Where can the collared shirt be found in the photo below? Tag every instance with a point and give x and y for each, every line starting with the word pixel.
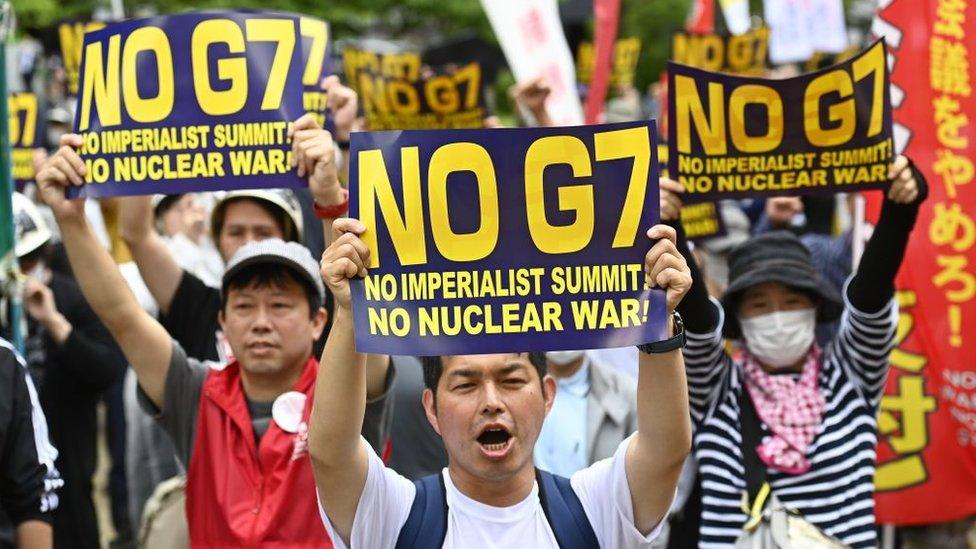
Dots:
pixel 562 448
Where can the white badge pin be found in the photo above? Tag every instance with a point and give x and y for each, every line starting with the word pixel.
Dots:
pixel 287 411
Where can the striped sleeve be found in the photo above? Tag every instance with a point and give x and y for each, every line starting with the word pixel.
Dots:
pixel 863 344
pixel 706 365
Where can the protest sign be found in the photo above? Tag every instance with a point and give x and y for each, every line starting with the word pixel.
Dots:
pixel 505 240
pixel 25 135
pixel 821 133
pixel 397 91
pixel 927 418
pixel 71 35
pixel 316 48
pixel 531 35
pixel 699 221
pixel 221 125
pixel 743 54
pixel 626 52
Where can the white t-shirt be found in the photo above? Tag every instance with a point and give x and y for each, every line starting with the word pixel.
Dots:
pixel 602 489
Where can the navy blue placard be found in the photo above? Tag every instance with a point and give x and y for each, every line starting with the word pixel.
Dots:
pixel 815 134
pixel 191 143
pixel 394 315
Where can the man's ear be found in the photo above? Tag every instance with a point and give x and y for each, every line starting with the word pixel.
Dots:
pixel 318 322
pixel 549 391
pixel 430 408
pixel 220 319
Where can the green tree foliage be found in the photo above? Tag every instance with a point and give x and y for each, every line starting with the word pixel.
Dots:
pixel 348 17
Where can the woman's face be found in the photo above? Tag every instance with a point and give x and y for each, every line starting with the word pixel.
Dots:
pixel 770 297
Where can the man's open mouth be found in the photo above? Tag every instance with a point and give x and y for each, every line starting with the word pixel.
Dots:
pixel 494 439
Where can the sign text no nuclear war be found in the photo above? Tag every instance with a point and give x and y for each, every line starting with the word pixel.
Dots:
pixel 819 133
pixel 505 240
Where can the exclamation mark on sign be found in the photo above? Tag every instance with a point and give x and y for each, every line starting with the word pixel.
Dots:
pixel 955 326
pixel 647 304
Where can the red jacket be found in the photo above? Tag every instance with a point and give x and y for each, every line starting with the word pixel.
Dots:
pixel 236 497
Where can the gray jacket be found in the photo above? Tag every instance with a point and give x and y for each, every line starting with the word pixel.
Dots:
pixel 611 410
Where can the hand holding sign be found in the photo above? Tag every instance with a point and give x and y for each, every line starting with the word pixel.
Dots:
pixel 313 155
pixel 64 169
pixel 904 187
pixel 344 105
pixel 344 259
pixel 665 267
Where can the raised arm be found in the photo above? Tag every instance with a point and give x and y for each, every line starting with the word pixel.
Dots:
pixel 706 361
pixel 867 330
pixel 663 438
pixel 874 284
pixel 157 266
pixel 530 97
pixel 339 459
pixel 145 343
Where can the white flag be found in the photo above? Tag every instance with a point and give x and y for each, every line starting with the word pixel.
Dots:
pixel 789 30
pixel 736 14
pixel 828 31
pixel 532 38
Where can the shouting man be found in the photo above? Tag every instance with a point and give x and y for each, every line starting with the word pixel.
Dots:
pixel 489 410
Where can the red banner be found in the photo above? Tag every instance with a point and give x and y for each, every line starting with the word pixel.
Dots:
pixel 606 15
pixel 701 18
pixel 927 423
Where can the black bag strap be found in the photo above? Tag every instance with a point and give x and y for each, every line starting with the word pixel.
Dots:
pixel 755 469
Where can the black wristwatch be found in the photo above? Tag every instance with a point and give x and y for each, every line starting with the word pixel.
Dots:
pixel 676 341
pixel 343 145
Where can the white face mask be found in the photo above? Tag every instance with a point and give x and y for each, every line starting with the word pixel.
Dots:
pixel 563 357
pixel 782 338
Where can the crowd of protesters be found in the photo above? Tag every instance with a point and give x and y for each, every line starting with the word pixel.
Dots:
pixel 209 326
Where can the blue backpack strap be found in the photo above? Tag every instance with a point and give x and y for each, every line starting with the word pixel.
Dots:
pixel 565 512
pixel 426 525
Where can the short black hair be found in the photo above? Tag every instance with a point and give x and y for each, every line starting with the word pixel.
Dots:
pixel 434 367
pixel 270 274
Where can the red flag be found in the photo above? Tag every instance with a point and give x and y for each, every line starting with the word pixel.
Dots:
pixel 927 422
pixel 607 15
pixel 701 18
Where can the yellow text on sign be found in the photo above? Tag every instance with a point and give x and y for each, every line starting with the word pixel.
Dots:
pixel 23 119
pixel 405 222
pixel 110 81
pixel 725 116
